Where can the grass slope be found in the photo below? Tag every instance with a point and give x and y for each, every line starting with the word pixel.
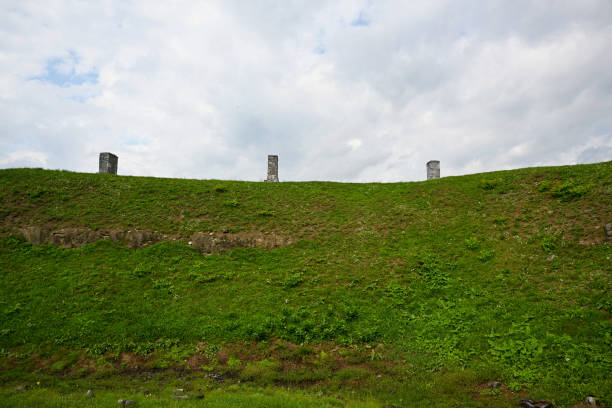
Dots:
pixel 407 293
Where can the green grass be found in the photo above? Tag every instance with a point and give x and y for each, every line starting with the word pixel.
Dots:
pixel 233 398
pixel 402 293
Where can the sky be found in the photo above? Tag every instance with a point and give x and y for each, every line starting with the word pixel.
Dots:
pixel 355 91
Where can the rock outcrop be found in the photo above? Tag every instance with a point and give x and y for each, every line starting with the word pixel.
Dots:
pixel 205 242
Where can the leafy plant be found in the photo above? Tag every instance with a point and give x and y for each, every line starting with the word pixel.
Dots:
pixel 472 243
pixel 549 243
pixel 233 203
pixel 568 190
pixel 486 255
pixel 293 280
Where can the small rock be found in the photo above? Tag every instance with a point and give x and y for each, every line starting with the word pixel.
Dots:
pixel 179 390
pixel 125 403
pixel 89 394
pixel 198 396
pixel 494 384
pixel 215 376
pixel 591 400
pixel 608 231
pixel 20 388
pixel 180 397
pixel 550 258
pixel 529 403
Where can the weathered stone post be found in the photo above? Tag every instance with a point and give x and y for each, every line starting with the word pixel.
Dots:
pixel 433 169
pixel 108 163
pixel 272 169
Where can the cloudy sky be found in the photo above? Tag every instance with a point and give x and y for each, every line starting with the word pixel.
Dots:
pixel 340 90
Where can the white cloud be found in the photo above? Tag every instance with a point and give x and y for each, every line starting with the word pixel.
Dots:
pixel 349 90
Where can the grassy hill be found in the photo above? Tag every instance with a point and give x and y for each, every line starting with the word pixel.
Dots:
pixel 410 294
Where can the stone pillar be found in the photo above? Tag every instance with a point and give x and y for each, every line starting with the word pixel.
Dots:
pixel 272 169
pixel 108 163
pixel 433 169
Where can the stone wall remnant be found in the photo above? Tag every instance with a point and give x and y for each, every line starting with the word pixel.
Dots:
pixel 205 242
pixel 433 169
pixel 272 169
pixel 108 163
pixel 77 237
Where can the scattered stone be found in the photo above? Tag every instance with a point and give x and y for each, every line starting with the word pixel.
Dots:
pixel 215 376
pixel 608 231
pixel 180 397
pixel 550 258
pixel 529 403
pixel 591 400
pixel 20 388
pixel 89 394
pixel 125 403
pixel 494 384
pixel 179 390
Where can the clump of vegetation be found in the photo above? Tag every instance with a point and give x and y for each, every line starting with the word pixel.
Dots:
pixel 233 203
pixel 486 255
pixel 263 372
pixel 549 243
pixel 568 190
pixel 293 279
pixel 544 186
pixel 488 184
pixel 472 243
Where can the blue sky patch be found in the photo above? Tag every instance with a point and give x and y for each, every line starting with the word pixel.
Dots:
pixel 320 49
pixel 361 20
pixel 61 71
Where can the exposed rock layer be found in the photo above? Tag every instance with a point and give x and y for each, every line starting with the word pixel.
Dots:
pixel 205 242
pixel 77 237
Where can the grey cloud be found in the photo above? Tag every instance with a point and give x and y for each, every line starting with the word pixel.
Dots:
pixel 209 89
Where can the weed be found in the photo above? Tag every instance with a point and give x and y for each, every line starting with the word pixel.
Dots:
pixel 486 255
pixel 233 203
pixel 488 184
pixel 549 243
pixel 294 279
pixel 472 243
pixel 568 190
pixel 544 186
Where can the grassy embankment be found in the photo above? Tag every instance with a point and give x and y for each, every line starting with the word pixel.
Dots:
pixel 409 294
